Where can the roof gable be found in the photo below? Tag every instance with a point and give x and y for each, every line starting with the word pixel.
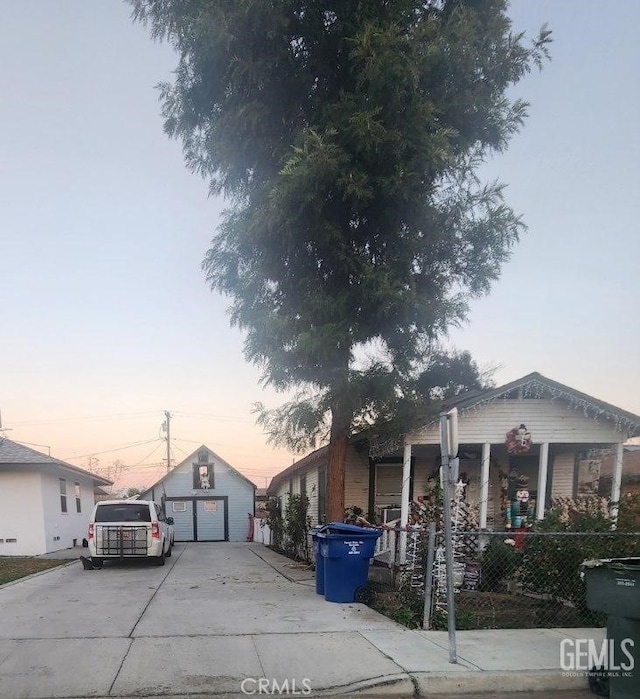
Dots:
pixel 533 385
pixel 536 385
pixel 189 462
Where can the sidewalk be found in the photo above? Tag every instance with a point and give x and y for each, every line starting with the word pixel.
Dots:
pixel 488 661
pixel 220 615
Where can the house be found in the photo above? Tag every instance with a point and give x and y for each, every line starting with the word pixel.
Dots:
pixel 533 434
pixel 208 499
pixel 45 503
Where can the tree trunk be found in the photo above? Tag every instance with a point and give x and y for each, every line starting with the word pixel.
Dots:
pixel 339 441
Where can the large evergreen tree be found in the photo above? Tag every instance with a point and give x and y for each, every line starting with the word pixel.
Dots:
pixel 346 136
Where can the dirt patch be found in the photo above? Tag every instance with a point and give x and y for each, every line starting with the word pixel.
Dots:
pixel 15 568
pixel 486 610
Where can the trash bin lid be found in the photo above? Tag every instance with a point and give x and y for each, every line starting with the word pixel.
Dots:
pixel 351 530
pixel 632 563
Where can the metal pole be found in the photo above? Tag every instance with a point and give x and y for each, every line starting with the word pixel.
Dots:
pixel 428 576
pixel 448 543
pixel 167 415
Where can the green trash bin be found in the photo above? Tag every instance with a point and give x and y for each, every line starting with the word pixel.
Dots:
pixel 613 586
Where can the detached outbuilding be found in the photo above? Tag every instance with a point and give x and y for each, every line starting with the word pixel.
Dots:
pixel 208 499
pixel 45 503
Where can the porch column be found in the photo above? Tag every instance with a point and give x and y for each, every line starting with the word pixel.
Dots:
pixel 484 484
pixel 616 480
pixel 404 507
pixel 543 470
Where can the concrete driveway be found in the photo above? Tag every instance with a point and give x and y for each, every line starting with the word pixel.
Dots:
pixel 214 615
pixel 223 619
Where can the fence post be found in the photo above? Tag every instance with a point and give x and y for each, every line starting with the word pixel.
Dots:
pixel 428 575
pixel 448 538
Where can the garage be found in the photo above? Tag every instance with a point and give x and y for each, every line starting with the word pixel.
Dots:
pixel 208 499
pixel 199 518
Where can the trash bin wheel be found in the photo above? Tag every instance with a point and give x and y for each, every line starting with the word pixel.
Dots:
pixel 599 681
pixel 364 594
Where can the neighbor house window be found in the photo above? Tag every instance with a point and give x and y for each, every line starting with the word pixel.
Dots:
pixel 63 495
pixel 303 485
pixel 77 492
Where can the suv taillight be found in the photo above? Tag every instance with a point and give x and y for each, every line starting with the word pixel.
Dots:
pixel 91 531
pixel 155 530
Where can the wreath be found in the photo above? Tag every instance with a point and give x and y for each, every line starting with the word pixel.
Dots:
pixel 518 440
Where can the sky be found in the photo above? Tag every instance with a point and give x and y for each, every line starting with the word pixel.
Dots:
pixel 105 317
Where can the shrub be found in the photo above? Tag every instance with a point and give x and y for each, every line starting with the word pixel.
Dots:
pixel 551 564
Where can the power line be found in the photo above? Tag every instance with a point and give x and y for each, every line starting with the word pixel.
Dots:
pixel 81 419
pixel 224 418
pixel 108 451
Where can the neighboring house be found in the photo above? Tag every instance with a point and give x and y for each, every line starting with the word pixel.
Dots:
pixel 568 435
pixel 208 499
pixel 45 503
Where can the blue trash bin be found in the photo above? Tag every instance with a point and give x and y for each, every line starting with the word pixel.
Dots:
pixel 316 537
pixel 346 550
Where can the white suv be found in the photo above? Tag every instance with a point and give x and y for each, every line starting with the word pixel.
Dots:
pixel 129 529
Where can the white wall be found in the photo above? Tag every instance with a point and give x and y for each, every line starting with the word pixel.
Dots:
pixel 547 420
pixel 62 528
pixel 21 515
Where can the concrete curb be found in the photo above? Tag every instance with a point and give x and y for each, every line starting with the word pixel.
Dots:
pixel 474 683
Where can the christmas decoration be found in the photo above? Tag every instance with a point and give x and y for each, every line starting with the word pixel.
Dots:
pixel 518 440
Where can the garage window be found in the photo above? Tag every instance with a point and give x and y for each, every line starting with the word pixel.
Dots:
pixel 179 506
pixel 210 506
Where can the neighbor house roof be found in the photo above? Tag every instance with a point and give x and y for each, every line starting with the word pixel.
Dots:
pixel 16 454
pixel 532 385
pixel 303 464
pixel 194 455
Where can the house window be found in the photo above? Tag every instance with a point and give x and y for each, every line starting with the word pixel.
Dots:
pixel 203 472
pixel 322 494
pixel 303 485
pixel 587 471
pixel 179 506
pixel 78 494
pixel 291 486
pixel 210 506
pixel 63 495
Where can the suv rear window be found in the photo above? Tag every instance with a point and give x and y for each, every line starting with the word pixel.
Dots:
pixel 123 513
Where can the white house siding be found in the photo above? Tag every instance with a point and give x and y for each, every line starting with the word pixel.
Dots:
pixel 356 480
pixel 21 516
pixel 312 494
pixel 547 420
pixel 227 483
pixel 62 528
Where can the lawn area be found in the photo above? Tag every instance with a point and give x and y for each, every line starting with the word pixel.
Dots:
pixel 14 568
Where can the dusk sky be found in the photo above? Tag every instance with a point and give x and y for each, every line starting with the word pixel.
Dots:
pixel 105 317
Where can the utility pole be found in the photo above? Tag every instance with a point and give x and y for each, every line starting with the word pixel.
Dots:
pixel 166 427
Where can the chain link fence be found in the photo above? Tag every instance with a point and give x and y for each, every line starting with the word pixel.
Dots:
pixel 505 580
